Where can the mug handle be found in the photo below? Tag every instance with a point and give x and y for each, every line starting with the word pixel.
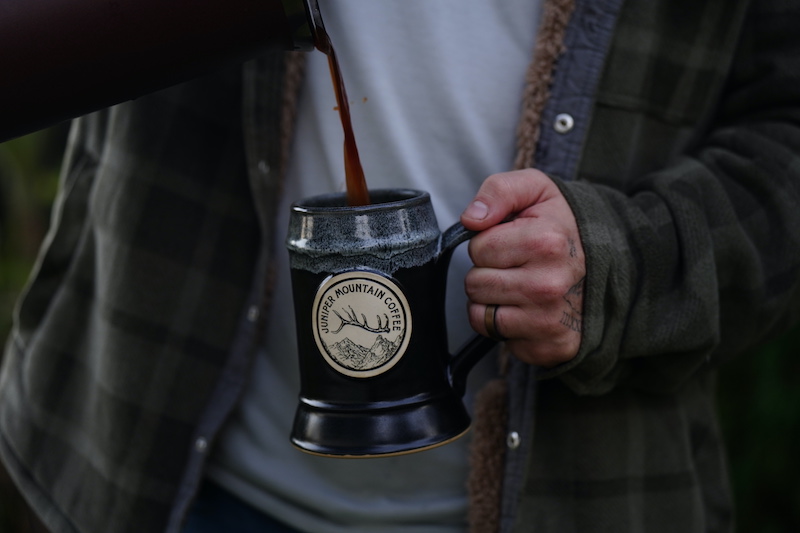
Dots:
pixel 478 346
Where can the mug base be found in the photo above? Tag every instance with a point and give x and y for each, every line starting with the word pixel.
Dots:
pixel 338 455
pixel 385 431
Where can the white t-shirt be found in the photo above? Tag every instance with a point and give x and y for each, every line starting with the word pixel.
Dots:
pixel 435 91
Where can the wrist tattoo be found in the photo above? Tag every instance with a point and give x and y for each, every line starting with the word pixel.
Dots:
pixel 573 318
pixel 572 322
pixel 573 250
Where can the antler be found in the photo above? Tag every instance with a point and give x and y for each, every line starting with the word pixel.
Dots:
pixel 352 320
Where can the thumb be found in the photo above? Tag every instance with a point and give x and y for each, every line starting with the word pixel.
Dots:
pixel 503 195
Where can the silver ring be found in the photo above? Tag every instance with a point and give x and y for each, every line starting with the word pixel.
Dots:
pixel 490 323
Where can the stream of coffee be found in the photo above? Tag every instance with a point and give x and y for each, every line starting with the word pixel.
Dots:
pixel 357 193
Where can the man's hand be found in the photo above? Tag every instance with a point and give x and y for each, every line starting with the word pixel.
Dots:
pixel 532 266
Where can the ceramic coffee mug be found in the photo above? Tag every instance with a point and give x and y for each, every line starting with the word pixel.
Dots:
pixel 377 376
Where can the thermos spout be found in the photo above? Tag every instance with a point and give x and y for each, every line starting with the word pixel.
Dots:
pixel 65 58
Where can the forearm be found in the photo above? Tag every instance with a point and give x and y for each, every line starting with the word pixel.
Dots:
pixel 698 261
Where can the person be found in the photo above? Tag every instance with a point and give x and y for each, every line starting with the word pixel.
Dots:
pixel 638 228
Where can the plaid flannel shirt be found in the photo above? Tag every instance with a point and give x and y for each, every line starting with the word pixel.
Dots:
pixel 681 164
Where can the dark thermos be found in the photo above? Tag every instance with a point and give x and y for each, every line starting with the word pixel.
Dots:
pixel 60 59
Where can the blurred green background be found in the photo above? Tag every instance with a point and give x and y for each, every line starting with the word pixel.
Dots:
pixel 759 394
pixel 28 180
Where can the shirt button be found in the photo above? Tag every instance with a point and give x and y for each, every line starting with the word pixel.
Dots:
pixel 564 123
pixel 263 167
pixel 253 313
pixel 201 445
pixel 513 441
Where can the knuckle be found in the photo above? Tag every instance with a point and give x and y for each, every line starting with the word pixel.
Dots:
pixel 543 290
pixel 487 248
pixel 479 283
pixel 551 243
pixel 548 340
pixel 550 328
pixel 471 289
pixel 500 184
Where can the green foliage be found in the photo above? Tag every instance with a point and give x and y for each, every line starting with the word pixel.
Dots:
pixel 28 181
pixel 759 404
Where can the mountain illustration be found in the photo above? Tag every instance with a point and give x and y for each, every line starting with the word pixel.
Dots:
pixel 382 350
pixel 349 354
pixel 356 357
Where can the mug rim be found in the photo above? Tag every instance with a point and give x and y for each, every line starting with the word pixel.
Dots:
pixel 321 203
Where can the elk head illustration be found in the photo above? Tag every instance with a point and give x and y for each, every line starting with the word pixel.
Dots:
pixel 351 319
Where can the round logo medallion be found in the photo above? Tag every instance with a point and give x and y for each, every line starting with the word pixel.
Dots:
pixel 362 323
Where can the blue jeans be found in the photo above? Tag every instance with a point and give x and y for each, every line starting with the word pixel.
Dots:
pixel 215 510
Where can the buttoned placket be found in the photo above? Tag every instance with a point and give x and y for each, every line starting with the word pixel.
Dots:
pixel 565 120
